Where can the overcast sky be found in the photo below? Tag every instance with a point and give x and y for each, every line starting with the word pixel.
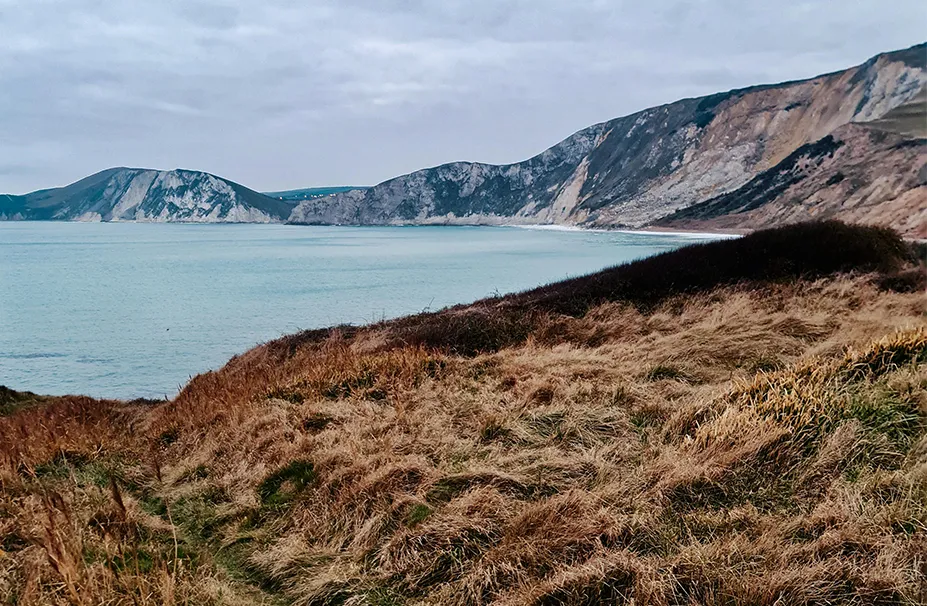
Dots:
pixel 279 94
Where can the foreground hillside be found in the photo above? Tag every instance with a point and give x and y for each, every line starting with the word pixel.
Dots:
pixel 742 422
pixel 638 169
pixel 136 194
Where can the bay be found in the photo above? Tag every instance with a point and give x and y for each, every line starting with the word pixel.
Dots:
pixel 129 310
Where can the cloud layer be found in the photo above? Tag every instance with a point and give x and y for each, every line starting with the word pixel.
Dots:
pixel 284 93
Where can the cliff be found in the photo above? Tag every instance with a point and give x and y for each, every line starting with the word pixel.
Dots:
pixel 635 170
pixel 871 173
pixel 133 194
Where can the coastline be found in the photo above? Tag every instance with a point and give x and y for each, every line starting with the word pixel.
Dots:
pixel 644 231
pixel 715 235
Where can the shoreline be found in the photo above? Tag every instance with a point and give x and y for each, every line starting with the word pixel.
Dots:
pixel 644 231
pixel 534 226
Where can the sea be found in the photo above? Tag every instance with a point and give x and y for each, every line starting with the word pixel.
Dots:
pixel 130 310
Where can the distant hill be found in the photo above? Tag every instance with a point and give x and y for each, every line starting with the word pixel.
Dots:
pixel 136 194
pixel 849 145
pixel 310 193
pixel 640 169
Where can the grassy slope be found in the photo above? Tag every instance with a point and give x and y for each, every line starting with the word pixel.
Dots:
pixel 738 423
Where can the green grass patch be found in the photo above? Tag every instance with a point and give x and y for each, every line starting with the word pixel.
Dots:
pixel 449 487
pixel 493 429
pixel 664 372
pixel 12 401
pixel 383 596
pixel 199 515
pixel 86 470
pixel 418 514
pixel 889 415
pixel 281 486
pixel 155 506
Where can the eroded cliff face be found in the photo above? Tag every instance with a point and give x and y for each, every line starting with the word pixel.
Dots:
pixel 131 194
pixel 460 191
pixel 634 170
pixel 866 172
pixel 859 174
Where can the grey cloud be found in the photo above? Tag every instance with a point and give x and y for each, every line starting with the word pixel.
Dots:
pixel 18 169
pixel 214 15
pixel 284 93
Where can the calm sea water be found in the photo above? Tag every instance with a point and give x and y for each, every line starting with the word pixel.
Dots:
pixel 133 310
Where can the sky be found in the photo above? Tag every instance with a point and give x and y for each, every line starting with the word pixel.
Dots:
pixel 280 94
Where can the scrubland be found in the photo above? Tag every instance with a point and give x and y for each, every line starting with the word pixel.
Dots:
pixel 743 422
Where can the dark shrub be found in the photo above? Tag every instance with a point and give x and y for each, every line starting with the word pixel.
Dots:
pixel 911 280
pixel 475 329
pixel 805 250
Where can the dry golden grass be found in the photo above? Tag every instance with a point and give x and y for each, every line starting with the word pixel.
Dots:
pixel 745 445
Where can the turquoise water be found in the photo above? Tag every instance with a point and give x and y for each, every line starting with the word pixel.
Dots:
pixel 134 310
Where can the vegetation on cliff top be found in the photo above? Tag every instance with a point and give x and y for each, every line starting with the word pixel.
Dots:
pixel 742 422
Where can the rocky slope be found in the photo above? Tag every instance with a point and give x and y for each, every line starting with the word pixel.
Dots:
pixel 872 173
pixel 133 194
pixel 634 170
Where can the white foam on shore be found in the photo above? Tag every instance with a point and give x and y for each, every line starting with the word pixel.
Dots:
pixel 550 227
pixel 696 235
pixel 682 234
